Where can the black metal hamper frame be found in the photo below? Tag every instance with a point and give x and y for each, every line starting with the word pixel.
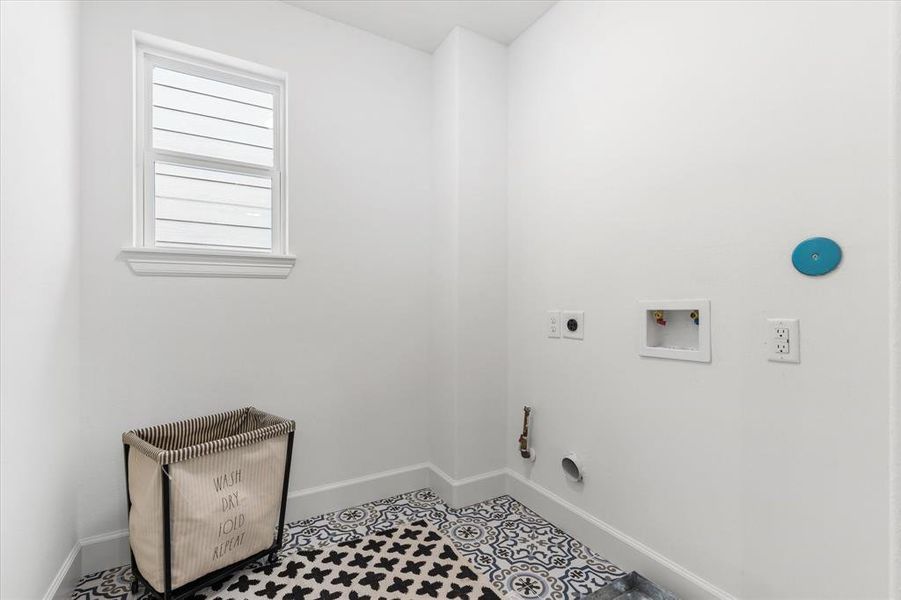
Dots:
pixel 196 585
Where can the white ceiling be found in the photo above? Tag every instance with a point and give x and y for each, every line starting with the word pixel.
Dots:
pixel 424 24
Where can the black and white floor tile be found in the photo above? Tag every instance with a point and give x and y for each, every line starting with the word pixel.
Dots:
pixel 515 548
pixel 413 561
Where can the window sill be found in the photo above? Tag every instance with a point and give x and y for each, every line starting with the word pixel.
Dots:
pixel 178 262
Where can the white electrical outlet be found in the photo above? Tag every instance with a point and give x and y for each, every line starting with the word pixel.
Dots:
pixel 553 323
pixel 784 342
pixel 573 324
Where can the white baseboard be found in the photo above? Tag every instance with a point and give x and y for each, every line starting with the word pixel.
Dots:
pixel 303 504
pixel 104 551
pixel 68 575
pixel 458 493
pixel 110 550
pixel 622 550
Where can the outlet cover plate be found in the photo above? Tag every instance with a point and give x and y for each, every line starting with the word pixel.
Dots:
pixel 780 332
pixel 552 325
pixel 573 315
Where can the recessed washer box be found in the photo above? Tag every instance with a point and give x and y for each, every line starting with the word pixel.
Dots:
pixel 667 329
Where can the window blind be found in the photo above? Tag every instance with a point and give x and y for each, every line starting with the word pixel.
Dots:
pixel 216 121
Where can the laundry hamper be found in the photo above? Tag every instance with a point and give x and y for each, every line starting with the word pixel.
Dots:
pixel 206 496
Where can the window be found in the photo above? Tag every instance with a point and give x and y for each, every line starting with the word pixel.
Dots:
pixel 210 155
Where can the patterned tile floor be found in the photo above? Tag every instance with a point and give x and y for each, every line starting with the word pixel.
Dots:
pixel 517 549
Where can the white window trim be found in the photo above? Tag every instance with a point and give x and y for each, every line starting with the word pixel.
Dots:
pixel 144 257
pixel 188 262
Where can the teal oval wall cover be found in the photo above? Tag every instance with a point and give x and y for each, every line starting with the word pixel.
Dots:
pixel 816 256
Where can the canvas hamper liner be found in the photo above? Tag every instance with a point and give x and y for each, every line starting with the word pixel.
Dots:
pixel 226 476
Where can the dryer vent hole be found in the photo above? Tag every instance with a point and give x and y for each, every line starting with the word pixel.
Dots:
pixel 571 468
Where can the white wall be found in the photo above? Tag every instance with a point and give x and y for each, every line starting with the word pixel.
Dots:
pixel 39 403
pixel 650 147
pixel 470 254
pixel 482 114
pixel 341 345
pixel 444 251
pixel 895 322
pixel 672 150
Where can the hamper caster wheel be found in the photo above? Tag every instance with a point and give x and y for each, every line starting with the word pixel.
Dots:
pixel 272 557
pixel 134 586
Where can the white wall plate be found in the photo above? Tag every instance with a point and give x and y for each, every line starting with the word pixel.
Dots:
pixel 783 340
pixel 570 319
pixel 552 325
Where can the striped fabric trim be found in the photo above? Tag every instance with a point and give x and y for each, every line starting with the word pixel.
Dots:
pixel 184 440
